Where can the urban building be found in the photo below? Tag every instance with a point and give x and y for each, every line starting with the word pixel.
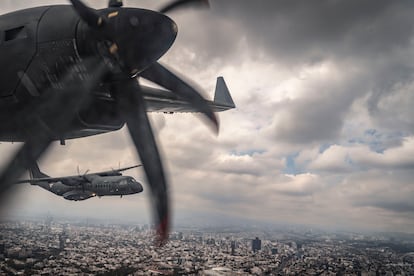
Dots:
pixel 256 244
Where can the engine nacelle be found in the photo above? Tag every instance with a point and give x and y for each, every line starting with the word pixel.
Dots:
pixel 101 113
pixel 78 195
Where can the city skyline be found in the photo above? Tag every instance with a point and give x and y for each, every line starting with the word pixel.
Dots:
pixel 322 134
pixel 60 247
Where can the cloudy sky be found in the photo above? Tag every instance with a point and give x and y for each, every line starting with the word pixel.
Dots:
pixel 323 133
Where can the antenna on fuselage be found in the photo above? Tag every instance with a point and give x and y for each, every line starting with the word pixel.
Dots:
pixel 115 3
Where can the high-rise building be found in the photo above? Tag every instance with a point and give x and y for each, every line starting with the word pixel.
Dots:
pixel 256 244
pixel 48 222
pixel 233 247
pixel 62 241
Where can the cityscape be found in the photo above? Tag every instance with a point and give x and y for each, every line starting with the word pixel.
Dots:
pixel 59 247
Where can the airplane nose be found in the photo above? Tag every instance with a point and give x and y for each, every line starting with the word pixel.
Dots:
pixel 138 188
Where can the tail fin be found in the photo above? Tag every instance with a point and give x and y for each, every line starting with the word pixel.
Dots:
pixel 35 172
pixel 222 95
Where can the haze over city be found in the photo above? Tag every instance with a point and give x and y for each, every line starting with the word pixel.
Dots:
pixel 322 134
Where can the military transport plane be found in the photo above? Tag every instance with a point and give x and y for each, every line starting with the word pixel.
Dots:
pixel 71 71
pixel 81 187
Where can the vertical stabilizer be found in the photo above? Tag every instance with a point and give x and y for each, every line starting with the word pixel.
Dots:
pixel 36 173
pixel 222 95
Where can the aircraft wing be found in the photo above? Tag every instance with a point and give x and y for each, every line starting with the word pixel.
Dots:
pixel 113 172
pixel 160 100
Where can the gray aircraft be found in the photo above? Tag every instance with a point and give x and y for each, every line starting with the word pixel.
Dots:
pixel 81 187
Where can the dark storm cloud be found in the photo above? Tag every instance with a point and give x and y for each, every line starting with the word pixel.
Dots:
pixel 387 190
pixel 391 100
pixel 303 31
pixel 368 41
pixel 396 206
pixel 309 120
pixel 399 207
pixel 375 35
pixel 319 114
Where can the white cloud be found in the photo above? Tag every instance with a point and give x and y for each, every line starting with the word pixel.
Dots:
pixel 339 158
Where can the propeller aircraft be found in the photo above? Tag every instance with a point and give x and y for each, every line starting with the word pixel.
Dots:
pixel 81 187
pixel 71 71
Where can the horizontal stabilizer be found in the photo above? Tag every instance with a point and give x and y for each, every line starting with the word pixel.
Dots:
pixel 161 100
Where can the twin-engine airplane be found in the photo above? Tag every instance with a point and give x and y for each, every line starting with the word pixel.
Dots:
pixel 81 187
pixel 73 71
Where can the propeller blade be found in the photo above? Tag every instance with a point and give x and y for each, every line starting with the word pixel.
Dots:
pixel 132 106
pixel 181 3
pixel 49 120
pixel 158 74
pixel 40 136
pixel 89 15
pixel 23 159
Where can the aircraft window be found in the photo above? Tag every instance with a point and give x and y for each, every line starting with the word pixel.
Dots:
pixel 16 33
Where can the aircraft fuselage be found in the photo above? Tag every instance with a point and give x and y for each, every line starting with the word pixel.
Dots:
pixel 98 186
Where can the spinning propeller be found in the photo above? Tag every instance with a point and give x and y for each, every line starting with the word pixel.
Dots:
pixel 84 177
pixel 127 42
